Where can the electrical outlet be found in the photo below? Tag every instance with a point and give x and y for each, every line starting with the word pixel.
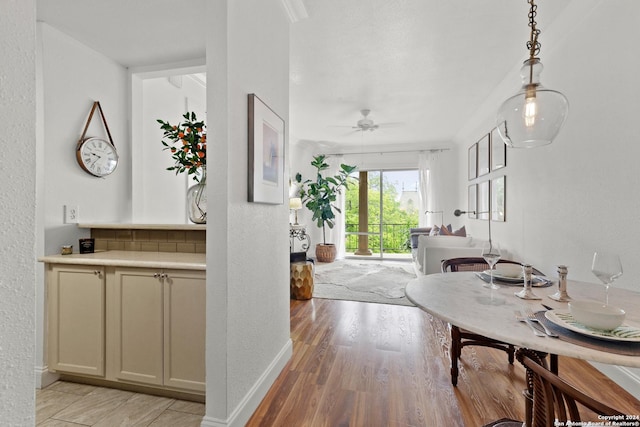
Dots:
pixel 71 214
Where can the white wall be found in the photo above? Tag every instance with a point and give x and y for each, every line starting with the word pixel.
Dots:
pixel 580 193
pixel 247 257
pixel 18 174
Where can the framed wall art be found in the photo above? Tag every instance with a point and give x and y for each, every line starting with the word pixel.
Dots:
pixel 498 151
pixel 498 202
pixel 483 155
pixel 483 200
pixel 266 154
pixel 472 197
pixel 473 161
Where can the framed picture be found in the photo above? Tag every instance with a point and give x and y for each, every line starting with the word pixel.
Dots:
pixel 498 201
pixel 483 155
pixel 498 151
pixel 266 154
pixel 473 161
pixel 483 200
pixel 472 201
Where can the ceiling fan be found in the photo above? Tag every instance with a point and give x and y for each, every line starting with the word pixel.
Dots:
pixel 367 124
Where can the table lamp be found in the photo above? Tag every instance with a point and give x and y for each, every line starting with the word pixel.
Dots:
pixel 295 203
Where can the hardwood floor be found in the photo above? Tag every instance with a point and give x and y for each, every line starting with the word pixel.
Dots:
pixel 363 364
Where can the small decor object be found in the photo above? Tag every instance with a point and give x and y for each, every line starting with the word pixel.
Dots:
pixel 534 116
pixel 87 245
pixel 562 294
pixel 66 250
pixel 319 197
pixel 527 292
pixel 188 147
pixel 266 154
pixel 96 156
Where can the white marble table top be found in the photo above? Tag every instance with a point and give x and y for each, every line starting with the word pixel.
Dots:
pixel 461 299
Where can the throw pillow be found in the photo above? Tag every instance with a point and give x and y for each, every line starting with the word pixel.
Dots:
pixel 435 231
pixel 462 232
pixel 446 231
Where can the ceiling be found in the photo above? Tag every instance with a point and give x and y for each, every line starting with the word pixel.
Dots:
pixel 423 66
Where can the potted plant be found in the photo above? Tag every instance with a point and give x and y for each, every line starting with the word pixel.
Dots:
pixel 319 197
pixel 188 147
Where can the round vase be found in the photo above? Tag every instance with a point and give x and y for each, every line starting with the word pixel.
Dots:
pixel 197 203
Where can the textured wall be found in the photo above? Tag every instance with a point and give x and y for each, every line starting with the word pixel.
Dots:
pixel 17 208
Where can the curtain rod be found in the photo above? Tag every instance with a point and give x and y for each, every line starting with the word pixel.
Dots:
pixel 431 150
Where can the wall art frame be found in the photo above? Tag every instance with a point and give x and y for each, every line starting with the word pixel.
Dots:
pixel 473 161
pixel 483 155
pixel 483 200
pixel 498 151
pixel 472 201
pixel 266 153
pixel 498 198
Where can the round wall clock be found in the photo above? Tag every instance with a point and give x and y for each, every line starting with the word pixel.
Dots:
pixel 97 156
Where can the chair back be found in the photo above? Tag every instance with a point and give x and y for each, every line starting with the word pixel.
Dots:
pixel 473 264
pixel 555 400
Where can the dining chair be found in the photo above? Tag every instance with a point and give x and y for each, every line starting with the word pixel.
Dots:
pixel 461 337
pixel 551 401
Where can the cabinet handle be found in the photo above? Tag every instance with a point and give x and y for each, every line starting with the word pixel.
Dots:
pixel 164 276
pixel 156 275
pixel 96 272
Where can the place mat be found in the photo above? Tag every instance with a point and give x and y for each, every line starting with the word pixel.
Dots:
pixel 537 282
pixel 617 347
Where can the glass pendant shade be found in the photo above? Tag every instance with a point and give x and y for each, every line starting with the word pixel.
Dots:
pixel 534 116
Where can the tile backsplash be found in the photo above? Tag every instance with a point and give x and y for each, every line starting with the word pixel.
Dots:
pixel 189 241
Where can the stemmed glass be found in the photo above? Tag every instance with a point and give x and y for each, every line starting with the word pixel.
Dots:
pixel 607 267
pixel 491 255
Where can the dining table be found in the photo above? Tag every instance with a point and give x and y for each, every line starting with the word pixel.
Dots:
pixel 461 299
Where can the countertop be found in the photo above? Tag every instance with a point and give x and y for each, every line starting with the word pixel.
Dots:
pixel 144 226
pixel 176 260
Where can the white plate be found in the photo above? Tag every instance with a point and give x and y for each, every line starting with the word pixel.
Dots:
pixel 506 278
pixel 621 333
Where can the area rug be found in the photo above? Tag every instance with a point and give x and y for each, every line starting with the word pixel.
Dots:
pixel 368 281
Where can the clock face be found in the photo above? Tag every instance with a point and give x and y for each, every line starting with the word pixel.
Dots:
pixel 97 156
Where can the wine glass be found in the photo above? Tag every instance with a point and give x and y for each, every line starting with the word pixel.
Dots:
pixel 491 255
pixel 607 267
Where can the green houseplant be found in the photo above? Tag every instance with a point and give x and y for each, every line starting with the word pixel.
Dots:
pixel 187 143
pixel 319 197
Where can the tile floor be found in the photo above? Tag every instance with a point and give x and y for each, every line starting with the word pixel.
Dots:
pixel 65 404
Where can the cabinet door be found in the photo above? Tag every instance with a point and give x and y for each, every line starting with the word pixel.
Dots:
pixel 76 306
pixel 137 325
pixel 184 335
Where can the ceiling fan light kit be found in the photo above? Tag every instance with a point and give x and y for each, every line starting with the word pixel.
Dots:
pixel 534 116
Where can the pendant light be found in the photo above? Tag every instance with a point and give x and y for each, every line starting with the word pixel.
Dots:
pixel 532 117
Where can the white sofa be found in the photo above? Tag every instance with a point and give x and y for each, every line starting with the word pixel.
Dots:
pixel 432 250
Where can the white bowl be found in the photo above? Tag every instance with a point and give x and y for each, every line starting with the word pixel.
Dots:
pixel 596 314
pixel 509 270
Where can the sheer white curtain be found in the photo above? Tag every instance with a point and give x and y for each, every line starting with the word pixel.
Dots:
pixel 335 235
pixel 430 172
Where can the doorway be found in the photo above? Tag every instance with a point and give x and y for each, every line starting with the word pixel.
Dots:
pixel 380 210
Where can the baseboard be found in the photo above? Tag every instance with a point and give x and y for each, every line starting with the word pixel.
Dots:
pixel 44 378
pixel 627 378
pixel 247 406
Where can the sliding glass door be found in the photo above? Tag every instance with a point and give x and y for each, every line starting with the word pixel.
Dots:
pixel 379 211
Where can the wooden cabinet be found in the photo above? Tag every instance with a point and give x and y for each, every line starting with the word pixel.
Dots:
pixel 158 327
pixel 76 314
pixel 128 324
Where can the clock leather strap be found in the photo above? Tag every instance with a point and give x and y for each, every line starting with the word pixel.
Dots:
pixel 104 120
